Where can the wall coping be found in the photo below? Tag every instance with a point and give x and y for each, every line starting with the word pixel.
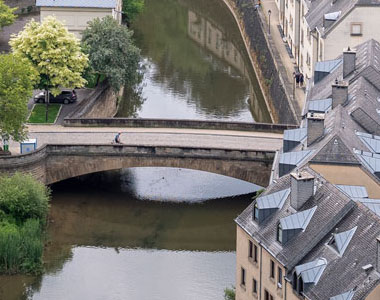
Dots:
pixel 176 123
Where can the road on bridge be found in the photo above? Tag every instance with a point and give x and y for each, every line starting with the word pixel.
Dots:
pixel 261 141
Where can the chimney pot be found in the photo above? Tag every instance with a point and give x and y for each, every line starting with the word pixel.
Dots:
pixel 302 188
pixel 315 127
pixel 349 60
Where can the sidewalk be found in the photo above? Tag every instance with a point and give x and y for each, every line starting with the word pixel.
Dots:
pixel 275 35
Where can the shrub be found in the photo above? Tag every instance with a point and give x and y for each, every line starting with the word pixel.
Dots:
pixel 22 197
pixel 229 293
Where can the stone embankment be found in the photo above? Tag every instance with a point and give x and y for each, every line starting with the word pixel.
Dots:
pixel 266 62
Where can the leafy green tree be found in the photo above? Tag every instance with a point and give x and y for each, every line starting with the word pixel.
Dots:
pixel 111 52
pixel 229 293
pixel 54 53
pixel 7 16
pixel 131 8
pixel 16 87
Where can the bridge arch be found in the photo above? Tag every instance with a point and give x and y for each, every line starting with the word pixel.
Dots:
pixel 54 163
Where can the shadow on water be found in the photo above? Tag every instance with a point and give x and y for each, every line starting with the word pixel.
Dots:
pixel 101 229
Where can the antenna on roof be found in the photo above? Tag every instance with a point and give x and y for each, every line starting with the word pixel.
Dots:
pixel 336 81
pixel 348 48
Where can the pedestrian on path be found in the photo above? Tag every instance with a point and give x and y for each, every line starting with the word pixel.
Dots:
pixel 117 138
pixel 297 78
pixel 301 80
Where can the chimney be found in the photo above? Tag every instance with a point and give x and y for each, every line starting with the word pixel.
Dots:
pixel 315 127
pixel 302 188
pixel 349 57
pixel 339 93
pixel 378 254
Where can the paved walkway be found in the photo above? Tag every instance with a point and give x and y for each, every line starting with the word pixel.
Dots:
pixel 289 63
pixel 154 136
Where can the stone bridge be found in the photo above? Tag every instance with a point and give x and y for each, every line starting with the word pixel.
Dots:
pixel 70 152
pixel 53 163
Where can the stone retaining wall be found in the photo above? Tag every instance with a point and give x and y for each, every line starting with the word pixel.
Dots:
pixel 269 70
pixel 100 103
pixel 169 123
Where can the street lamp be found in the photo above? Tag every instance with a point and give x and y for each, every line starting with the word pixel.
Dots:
pixel 269 13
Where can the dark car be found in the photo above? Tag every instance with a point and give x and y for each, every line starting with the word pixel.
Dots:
pixel 65 97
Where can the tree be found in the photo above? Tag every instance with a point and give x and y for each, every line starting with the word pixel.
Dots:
pixel 6 14
pixel 54 53
pixel 131 8
pixel 17 77
pixel 111 52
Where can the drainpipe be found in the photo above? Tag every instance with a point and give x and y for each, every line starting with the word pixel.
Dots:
pixel 299 32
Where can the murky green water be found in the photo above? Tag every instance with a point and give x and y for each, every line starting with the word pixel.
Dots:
pixel 105 242
pixel 196 65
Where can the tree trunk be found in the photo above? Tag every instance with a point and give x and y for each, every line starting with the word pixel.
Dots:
pixel 97 80
pixel 47 105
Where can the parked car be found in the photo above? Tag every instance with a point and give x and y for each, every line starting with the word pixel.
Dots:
pixel 65 97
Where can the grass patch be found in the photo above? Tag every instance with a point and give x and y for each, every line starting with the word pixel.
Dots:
pixel 38 113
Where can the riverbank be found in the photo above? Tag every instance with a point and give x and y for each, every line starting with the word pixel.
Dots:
pixel 272 73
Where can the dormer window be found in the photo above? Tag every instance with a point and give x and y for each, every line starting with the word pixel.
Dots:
pixel 279 233
pixel 256 212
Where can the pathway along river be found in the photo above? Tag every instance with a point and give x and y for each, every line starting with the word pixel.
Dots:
pixel 196 65
pixel 108 238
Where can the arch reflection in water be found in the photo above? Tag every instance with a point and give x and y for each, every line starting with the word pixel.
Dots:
pixel 105 243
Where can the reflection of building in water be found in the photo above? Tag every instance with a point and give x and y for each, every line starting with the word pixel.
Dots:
pixel 212 38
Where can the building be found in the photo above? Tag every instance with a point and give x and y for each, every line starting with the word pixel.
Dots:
pixel 315 231
pixel 75 14
pixel 319 30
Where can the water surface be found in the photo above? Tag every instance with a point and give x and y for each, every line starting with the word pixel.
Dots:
pixel 196 65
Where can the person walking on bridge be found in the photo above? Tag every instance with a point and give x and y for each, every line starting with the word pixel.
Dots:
pixel 117 138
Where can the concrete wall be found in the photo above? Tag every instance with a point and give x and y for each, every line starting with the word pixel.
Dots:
pixel 340 37
pixel 260 270
pixel 349 175
pixel 266 65
pixel 54 163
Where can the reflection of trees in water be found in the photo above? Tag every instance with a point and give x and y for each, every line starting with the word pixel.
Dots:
pixel 184 67
pixel 130 102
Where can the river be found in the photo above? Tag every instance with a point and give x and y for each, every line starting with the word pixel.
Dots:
pixel 148 233
pixel 106 242
pixel 196 65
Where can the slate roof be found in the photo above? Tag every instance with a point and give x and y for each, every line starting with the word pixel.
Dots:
pixel 371 141
pixel 77 3
pixel 330 206
pixel 342 239
pixel 333 9
pixel 345 296
pixel 320 106
pixel 294 157
pixel 295 134
pixel 328 65
pixel 372 204
pixel 299 220
pixel 311 271
pixel 274 200
pixel 354 191
pixel 333 272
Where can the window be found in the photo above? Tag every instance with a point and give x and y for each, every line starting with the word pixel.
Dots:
pixel 250 249
pixel 308 59
pixel 279 233
pixel 294 283
pixel 300 285
pixel 279 277
pixel 356 29
pixel 255 211
pixel 255 253
pixel 302 37
pixel 271 269
pixel 242 281
pixel 254 286
pixel 267 296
